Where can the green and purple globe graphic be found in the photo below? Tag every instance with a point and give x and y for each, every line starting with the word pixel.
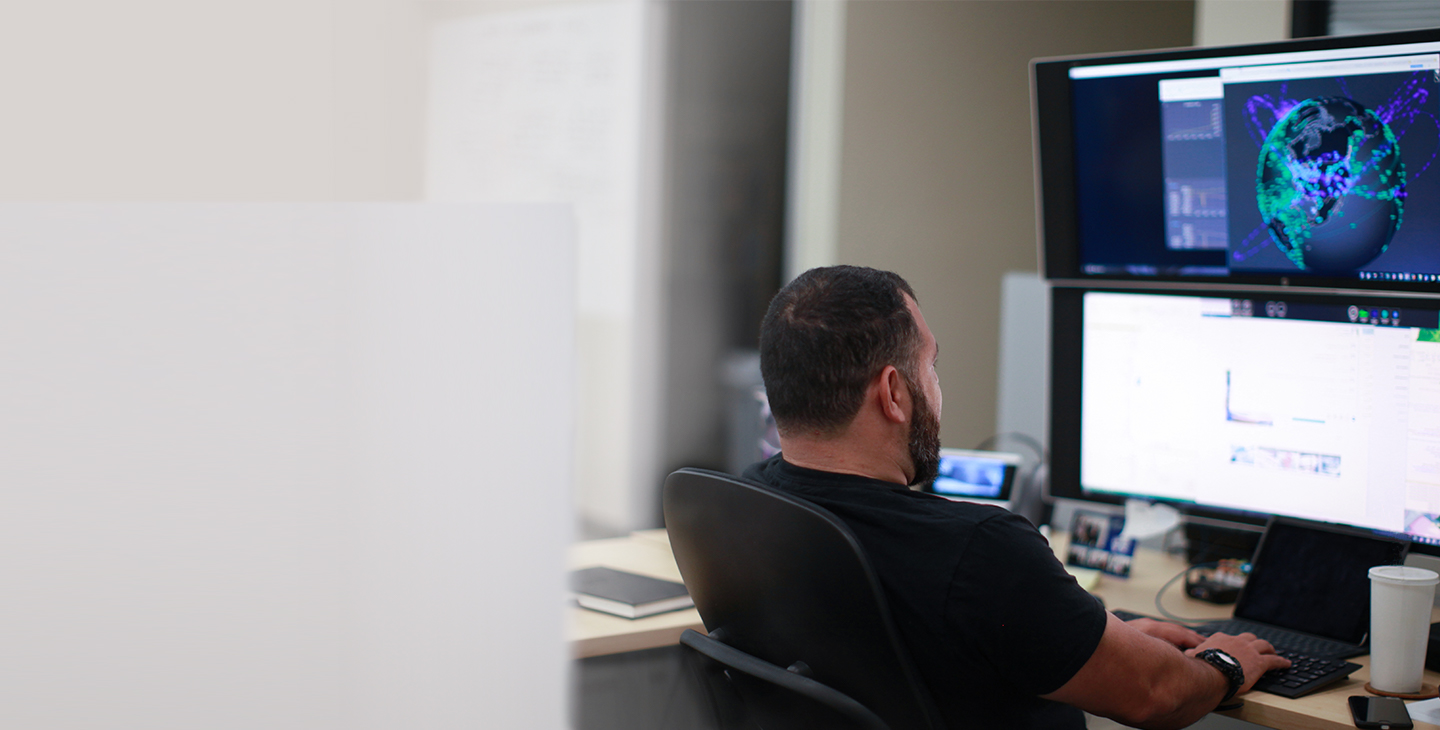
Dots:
pixel 1331 185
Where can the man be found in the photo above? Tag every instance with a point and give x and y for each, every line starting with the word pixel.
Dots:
pixel 1001 634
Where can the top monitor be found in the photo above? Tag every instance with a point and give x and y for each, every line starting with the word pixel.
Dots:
pixel 1305 162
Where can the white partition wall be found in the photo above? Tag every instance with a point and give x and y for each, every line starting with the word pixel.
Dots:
pixel 561 102
pixel 284 466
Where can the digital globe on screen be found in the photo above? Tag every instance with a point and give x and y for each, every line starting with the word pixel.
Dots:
pixel 1331 185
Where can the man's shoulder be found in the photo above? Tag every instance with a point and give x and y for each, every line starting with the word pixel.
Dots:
pixel 761 472
pixel 844 493
pixel 777 472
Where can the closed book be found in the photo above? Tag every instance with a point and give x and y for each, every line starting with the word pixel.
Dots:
pixel 626 594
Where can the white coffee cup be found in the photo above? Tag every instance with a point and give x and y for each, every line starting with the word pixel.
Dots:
pixel 1400 601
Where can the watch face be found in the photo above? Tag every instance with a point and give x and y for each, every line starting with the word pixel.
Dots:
pixel 1228 665
pixel 1214 655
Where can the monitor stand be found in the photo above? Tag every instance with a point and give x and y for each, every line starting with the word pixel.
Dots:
pixel 1208 539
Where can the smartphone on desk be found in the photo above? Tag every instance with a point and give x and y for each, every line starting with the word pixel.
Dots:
pixel 1381 713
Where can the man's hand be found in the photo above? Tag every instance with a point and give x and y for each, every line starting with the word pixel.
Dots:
pixel 1256 656
pixel 1174 634
pixel 1144 681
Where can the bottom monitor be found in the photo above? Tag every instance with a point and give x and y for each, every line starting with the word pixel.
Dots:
pixel 1324 408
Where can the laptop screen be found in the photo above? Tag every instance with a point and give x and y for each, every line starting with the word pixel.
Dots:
pixel 1314 578
pixel 975 474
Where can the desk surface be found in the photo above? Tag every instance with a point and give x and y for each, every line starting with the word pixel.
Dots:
pixel 648 552
pixel 1325 709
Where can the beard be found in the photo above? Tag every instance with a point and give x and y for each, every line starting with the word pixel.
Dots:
pixel 924 439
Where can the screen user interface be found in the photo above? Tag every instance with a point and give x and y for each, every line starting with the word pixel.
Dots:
pixel 1324 411
pixel 972 475
pixel 1303 164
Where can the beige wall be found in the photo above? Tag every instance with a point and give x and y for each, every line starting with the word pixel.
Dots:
pixel 1232 22
pixel 936 175
pixel 293 100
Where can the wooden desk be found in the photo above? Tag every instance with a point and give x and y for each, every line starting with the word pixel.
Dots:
pixel 1324 710
pixel 648 552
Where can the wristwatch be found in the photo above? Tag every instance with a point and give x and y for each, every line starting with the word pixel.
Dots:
pixel 1228 666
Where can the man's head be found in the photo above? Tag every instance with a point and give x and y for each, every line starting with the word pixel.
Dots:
pixel 826 338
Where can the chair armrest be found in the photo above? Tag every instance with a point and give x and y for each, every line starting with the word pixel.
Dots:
pixel 738 660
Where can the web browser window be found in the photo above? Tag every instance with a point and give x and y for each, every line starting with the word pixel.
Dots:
pixel 1322 411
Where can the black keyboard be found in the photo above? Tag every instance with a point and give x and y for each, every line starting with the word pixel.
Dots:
pixel 1304 643
pixel 1307 673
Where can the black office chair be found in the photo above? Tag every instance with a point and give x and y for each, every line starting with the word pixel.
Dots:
pixel 793 610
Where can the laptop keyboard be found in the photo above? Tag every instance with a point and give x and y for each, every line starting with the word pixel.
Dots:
pixel 1312 645
pixel 1312 664
pixel 1305 675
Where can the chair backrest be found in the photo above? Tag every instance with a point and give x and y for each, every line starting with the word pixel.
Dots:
pixel 784 580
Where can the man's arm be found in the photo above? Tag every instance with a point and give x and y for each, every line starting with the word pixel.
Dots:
pixel 1170 633
pixel 1146 682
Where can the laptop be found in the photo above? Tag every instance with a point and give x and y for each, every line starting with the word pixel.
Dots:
pixel 987 477
pixel 1309 587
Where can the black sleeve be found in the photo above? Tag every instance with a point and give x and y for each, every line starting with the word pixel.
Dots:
pixel 1012 600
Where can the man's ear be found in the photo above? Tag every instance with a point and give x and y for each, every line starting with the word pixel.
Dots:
pixel 894 395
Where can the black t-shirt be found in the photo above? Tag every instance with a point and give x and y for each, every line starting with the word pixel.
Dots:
pixel 989 616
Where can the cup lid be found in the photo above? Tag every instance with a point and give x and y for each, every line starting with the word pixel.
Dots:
pixel 1404 575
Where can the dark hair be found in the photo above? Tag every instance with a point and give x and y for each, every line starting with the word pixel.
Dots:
pixel 826 335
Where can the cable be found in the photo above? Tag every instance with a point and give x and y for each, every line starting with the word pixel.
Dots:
pixel 1165 612
pixel 1033 500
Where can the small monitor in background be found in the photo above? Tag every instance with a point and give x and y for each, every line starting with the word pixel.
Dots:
pixel 976 476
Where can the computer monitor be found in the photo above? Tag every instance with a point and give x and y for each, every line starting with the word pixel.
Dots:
pixel 976 476
pixel 1308 162
pixel 1322 407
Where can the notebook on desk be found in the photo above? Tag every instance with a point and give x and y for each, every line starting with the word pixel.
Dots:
pixel 1309 587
